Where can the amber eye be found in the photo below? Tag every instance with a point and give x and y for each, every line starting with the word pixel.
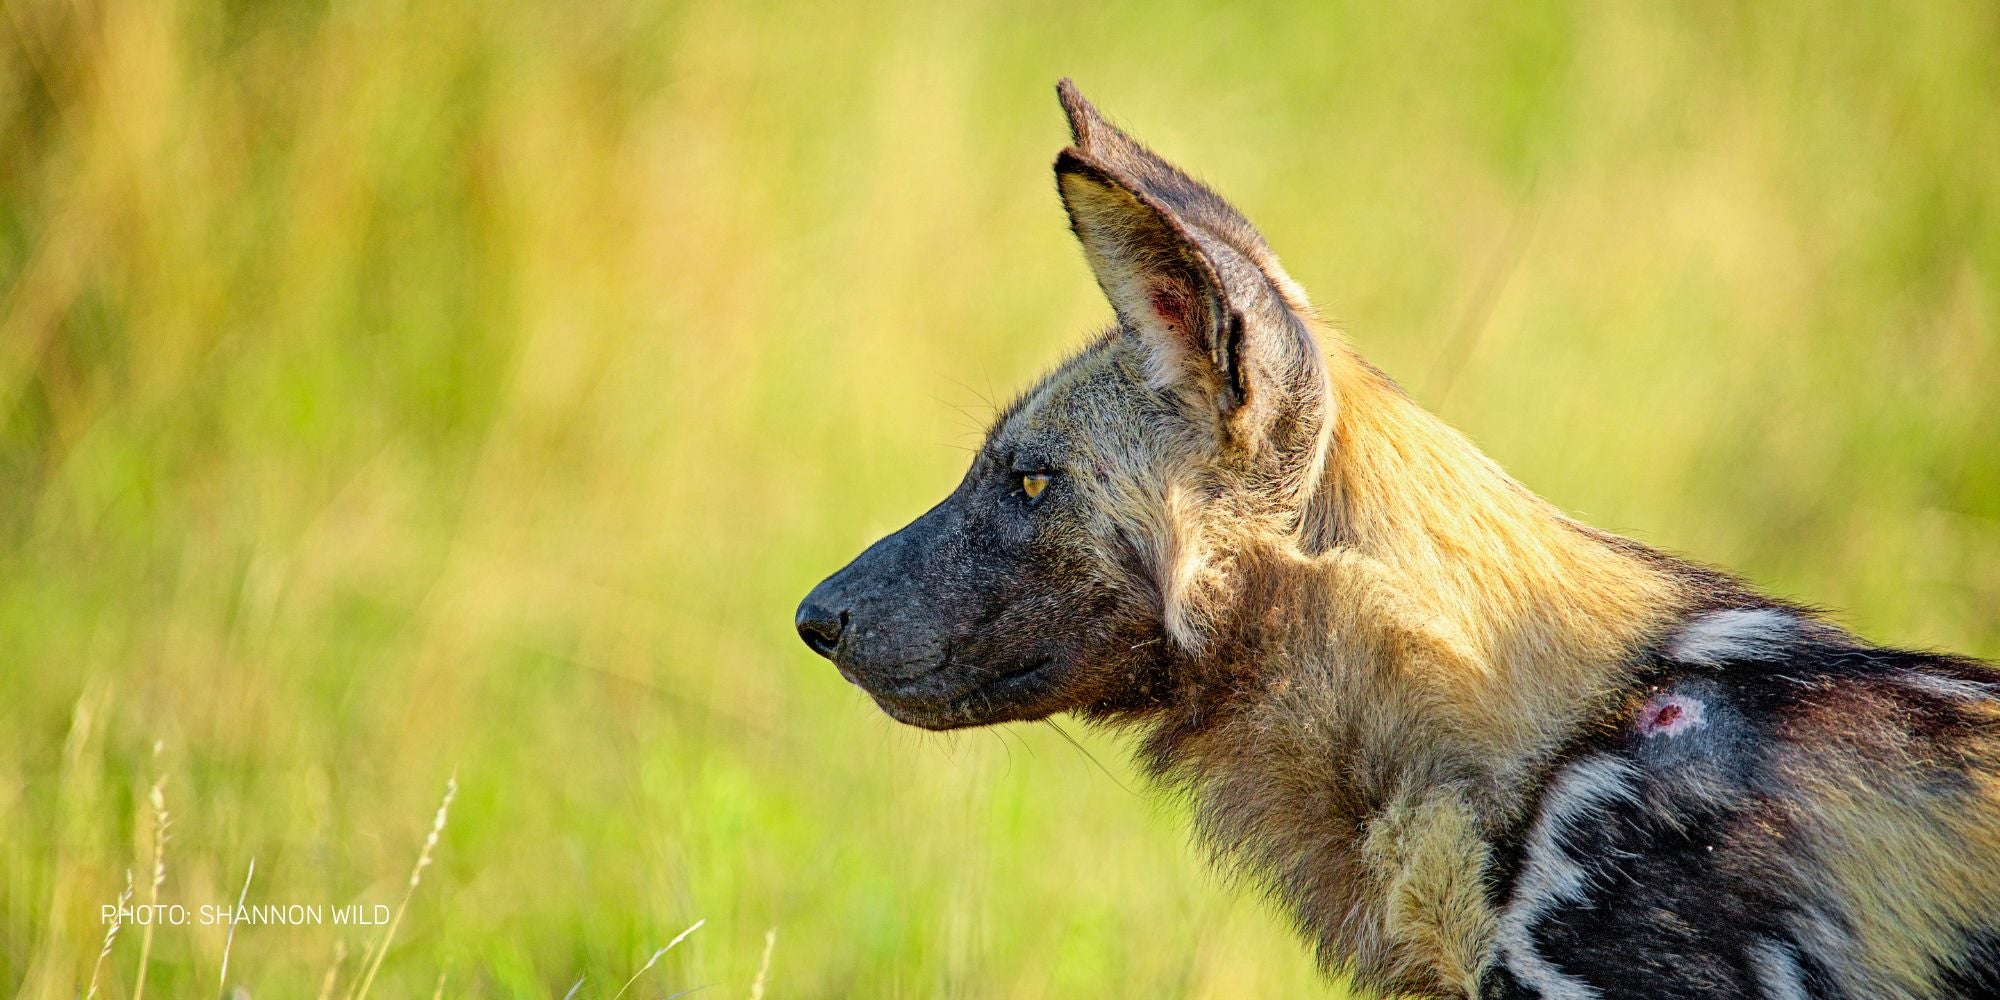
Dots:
pixel 1033 483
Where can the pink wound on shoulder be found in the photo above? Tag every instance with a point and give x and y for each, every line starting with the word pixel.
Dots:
pixel 1669 715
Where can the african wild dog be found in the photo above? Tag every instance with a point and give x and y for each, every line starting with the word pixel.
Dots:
pixel 1475 747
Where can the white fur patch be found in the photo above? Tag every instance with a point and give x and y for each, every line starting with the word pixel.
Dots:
pixel 1178 564
pixel 1550 876
pixel 1289 290
pixel 1778 971
pixel 1736 634
pixel 1823 937
pixel 1950 687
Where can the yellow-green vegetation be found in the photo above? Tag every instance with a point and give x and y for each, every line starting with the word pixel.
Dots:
pixel 389 390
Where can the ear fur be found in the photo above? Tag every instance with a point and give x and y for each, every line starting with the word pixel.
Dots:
pixel 1189 200
pixel 1163 283
pixel 1087 128
pixel 1193 280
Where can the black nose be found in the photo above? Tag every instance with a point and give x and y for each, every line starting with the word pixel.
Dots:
pixel 820 627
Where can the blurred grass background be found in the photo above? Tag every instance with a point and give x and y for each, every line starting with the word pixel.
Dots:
pixel 389 389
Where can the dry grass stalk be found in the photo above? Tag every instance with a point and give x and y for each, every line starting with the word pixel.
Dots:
pixel 416 876
pixel 110 935
pixel 764 965
pixel 229 942
pixel 678 938
pixel 333 969
pixel 161 821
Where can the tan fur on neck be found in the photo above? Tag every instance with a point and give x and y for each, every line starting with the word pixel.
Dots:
pixel 1548 614
pixel 1376 710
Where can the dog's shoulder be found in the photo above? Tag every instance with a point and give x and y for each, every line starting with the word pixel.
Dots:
pixel 1774 809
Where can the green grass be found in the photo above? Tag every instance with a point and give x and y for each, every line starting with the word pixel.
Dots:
pixel 389 390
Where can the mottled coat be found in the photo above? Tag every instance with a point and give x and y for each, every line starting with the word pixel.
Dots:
pixel 1473 747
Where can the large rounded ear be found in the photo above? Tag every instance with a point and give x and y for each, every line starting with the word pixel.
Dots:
pixel 1190 278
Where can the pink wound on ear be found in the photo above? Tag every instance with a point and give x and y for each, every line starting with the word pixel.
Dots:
pixel 1669 715
pixel 1170 303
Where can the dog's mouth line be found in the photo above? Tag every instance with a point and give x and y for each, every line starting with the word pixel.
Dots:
pixel 959 703
pixel 964 708
pixel 1018 673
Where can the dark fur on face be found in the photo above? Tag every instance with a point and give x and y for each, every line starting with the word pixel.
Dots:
pixel 1473 747
pixel 998 606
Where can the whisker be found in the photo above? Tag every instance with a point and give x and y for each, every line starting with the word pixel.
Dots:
pixel 1087 755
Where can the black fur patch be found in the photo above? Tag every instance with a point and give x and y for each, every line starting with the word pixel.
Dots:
pixel 1688 888
pixel 1976 973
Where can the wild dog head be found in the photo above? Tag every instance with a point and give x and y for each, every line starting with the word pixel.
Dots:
pixel 1078 559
